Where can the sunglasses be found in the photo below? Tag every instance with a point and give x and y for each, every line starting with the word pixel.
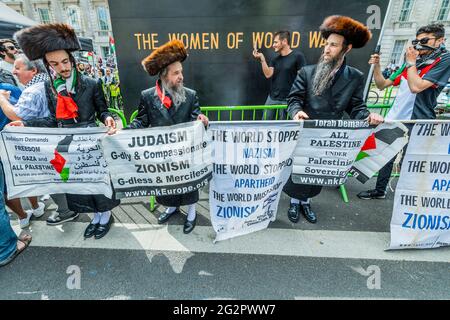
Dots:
pixel 421 41
pixel 11 47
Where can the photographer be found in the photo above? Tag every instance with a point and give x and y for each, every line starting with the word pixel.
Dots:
pixel 421 79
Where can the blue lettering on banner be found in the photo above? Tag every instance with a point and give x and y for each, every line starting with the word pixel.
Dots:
pixel 235 212
pixel 271 199
pixel 441 185
pixel 259 153
pixel 254 184
pixel 426 222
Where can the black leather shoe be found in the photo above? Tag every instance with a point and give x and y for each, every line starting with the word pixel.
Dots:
pixel 189 225
pixel 294 212
pixel 90 230
pixel 166 216
pixel 308 213
pixel 372 194
pixel 103 229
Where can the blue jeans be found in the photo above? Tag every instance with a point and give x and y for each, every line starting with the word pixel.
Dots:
pixel 8 238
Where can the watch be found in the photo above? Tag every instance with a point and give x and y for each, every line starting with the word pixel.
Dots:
pixel 409 64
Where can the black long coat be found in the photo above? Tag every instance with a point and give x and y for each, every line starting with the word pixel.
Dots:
pixel 346 94
pixel 152 113
pixel 91 106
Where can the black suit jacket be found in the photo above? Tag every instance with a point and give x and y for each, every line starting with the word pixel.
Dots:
pixel 152 113
pixel 345 95
pixel 89 98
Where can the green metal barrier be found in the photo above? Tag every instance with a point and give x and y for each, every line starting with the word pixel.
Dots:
pixel 120 114
pixel 134 115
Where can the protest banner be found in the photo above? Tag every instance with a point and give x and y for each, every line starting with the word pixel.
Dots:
pixel 39 161
pixel 252 163
pixel 421 215
pixel 159 161
pixel 327 150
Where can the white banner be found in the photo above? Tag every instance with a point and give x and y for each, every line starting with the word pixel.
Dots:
pixel 383 144
pixel 421 217
pixel 160 161
pixel 327 150
pixel 40 161
pixel 252 163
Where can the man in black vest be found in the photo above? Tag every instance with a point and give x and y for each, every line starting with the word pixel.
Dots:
pixel 326 91
pixel 166 104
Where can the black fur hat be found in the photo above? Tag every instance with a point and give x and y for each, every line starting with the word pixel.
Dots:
pixel 36 41
pixel 163 56
pixel 353 31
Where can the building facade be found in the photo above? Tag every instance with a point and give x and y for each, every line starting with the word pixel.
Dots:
pixel 89 18
pixel 403 20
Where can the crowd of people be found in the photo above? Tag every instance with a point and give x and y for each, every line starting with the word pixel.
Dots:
pixel 59 92
pixel 108 75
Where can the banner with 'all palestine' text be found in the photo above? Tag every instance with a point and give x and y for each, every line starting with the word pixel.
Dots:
pixel 40 161
pixel 327 150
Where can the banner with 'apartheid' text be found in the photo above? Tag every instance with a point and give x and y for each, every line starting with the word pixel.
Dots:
pixel 252 163
pixel 40 161
pixel 421 217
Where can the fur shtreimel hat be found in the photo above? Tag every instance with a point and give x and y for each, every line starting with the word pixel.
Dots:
pixel 353 31
pixel 165 55
pixel 36 41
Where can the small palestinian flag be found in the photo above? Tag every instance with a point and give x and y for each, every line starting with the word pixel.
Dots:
pixel 61 160
pixel 112 45
pixel 386 142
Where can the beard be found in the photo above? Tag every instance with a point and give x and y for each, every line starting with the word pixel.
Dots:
pixel 324 75
pixel 10 56
pixel 177 92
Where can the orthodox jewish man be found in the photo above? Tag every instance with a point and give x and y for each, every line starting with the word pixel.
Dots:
pixel 325 91
pixel 169 103
pixel 74 101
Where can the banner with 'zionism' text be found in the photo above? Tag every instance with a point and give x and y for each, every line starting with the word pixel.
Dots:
pixel 160 161
pixel 421 216
pixel 252 163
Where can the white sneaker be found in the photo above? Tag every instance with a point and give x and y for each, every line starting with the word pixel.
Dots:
pixel 40 210
pixel 25 223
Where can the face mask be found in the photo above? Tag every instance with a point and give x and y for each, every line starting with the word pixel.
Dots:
pixel 429 58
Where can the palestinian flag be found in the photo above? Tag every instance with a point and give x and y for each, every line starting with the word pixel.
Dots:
pixel 61 160
pixel 112 45
pixel 90 57
pixel 387 140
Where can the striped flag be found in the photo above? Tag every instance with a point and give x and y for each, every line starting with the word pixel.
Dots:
pixel 387 140
pixel 61 160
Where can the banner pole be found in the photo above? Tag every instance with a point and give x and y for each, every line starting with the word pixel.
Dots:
pixel 378 48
